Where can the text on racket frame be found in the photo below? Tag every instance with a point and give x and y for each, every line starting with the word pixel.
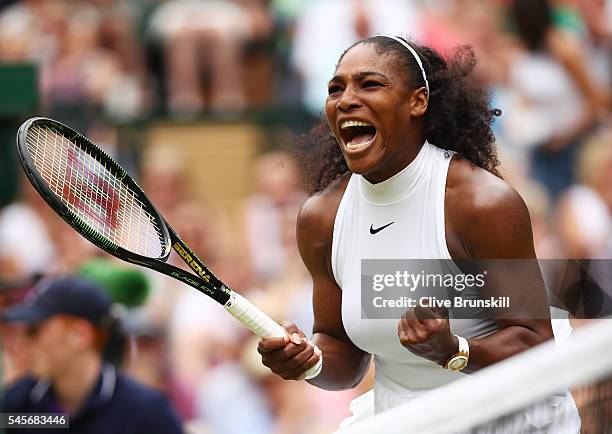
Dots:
pixel 191 261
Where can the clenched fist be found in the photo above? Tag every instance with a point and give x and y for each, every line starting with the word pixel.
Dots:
pixel 291 356
pixel 425 331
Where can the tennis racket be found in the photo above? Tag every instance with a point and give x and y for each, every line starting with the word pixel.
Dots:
pixel 97 197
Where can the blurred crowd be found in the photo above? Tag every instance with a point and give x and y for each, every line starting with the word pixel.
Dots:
pixel 547 65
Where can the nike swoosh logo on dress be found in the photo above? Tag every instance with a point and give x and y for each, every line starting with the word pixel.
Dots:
pixel 375 231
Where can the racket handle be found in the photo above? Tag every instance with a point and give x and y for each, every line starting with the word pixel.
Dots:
pixel 262 325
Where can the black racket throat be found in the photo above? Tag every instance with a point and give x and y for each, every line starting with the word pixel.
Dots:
pixel 200 276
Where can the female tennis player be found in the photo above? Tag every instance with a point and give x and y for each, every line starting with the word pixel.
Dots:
pixel 408 172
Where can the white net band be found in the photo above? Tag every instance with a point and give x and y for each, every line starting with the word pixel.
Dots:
pixel 487 401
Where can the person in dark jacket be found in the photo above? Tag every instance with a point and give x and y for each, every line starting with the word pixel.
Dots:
pixel 70 322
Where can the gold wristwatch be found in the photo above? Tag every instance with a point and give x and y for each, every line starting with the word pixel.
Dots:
pixel 459 360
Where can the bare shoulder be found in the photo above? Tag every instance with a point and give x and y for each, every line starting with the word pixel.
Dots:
pixel 479 190
pixel 486 211
pixel 315 223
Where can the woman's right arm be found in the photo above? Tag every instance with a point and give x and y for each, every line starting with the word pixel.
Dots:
pixel 344 365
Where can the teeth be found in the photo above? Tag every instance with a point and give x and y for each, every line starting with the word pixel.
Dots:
pixel 347 124
pixel 355 146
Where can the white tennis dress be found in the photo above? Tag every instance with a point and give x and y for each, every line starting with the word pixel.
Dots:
pixel 411 203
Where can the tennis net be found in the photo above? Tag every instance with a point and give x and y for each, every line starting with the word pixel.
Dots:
pixel 527 393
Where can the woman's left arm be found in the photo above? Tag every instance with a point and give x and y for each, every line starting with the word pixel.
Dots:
pixel 495 224
pixel 488 221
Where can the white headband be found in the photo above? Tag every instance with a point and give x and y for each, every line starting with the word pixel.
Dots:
pixel 414 53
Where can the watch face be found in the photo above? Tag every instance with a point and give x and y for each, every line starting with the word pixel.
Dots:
pixel 457 363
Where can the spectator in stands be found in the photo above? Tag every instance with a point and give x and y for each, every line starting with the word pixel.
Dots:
pixel 326 28
pixel 55 248
pixel 277 198
pixel 206 38
pixel 14 350
pixel 595 165
pixel 585 226
pixel 553 85
pixel 598 41
pixel 70 322
pixel 26 222
pixel 83 60
pixel 15 356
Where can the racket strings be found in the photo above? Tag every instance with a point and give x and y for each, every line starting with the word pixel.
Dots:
pixel 90 189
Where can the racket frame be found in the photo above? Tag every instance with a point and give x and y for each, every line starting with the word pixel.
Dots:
pixel 209 284
pixel 204 281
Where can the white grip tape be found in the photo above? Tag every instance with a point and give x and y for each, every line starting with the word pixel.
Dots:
pixel 252 317
pixel 262 325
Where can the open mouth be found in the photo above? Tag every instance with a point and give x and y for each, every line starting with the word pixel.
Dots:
pixel 357 134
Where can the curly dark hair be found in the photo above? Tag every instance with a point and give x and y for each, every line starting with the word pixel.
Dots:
pixel 458 117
